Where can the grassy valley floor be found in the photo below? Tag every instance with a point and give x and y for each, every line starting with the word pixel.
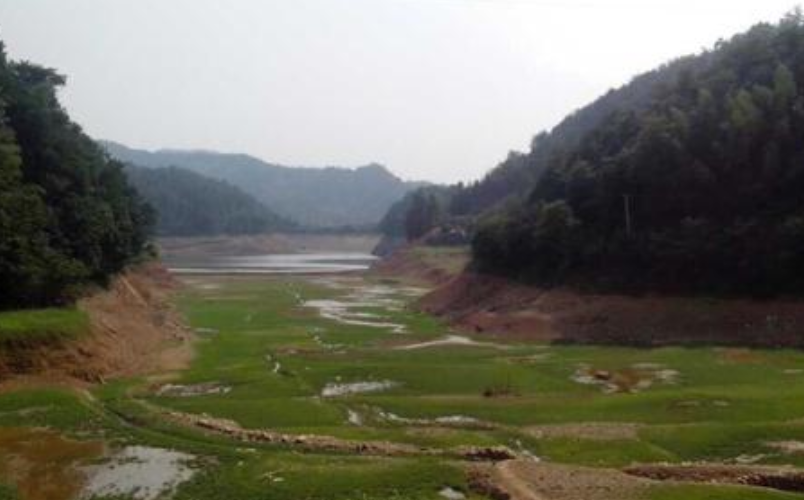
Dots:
pixel 332 388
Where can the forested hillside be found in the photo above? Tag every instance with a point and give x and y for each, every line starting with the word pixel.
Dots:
pixel 513 179
pixel 67 215
pixel 313 197
pixel 189 204
pixel 690 180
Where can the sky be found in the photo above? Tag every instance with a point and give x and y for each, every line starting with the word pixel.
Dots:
pixel 437 90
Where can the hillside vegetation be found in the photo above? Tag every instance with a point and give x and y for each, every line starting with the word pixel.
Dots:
pixel 189 204
pixel 697 189
pixel 313 197
pixel 67 214
pixel 687 179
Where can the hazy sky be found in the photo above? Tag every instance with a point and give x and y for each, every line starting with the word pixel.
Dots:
pixel 435 89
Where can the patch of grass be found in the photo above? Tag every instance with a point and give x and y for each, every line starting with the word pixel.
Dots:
pixel 721 404
pixel 38 325
pixel 56 408
pixel 292 476
pixel 8 493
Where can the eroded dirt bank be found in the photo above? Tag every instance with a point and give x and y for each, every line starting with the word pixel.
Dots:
pixel 432 266
pixel 477 303
pixel 488 304
pixel 134 330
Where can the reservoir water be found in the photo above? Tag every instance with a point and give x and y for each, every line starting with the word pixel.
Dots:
pixel 302 263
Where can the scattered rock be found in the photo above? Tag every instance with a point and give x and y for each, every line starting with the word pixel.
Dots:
pixel 451 494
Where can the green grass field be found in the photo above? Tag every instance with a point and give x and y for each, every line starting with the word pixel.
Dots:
pixel 42 325
pixel 275 357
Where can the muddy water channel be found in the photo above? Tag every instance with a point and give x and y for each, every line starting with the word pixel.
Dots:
pixel 45 465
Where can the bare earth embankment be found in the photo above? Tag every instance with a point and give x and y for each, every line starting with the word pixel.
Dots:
pixel 497 306
pixel 492 305
pixel 134 330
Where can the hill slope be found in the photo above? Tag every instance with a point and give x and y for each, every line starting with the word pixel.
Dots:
pixel 315 197
pixel 189 204
pixel 67 215
pixel 512 180
pixel 695 188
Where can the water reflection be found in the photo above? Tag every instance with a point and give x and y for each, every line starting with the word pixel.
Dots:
pixel 313 263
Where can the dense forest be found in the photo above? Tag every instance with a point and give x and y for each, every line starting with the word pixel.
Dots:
pixel 189 204
pixel 329 197
pixel 67 214
pixel 689 179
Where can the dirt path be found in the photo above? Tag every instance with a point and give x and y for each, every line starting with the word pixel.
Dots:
pixel 523 479
pixel 511 481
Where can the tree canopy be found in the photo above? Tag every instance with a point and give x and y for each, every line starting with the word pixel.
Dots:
pixel 690 180
pixel 189 204
pixel 68 217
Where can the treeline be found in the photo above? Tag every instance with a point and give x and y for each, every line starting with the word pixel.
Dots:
pixel 68 217
pixel 511 182
pixel 189 204
pixel 690 180
pixel 316 198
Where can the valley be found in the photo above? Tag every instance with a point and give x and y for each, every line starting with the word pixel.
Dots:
pixel 334 386
pixel 613 312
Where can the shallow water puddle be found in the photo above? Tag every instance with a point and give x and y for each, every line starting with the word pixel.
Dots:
pixel 350 309
pixel 332 390
pixel 195 390
pixel 460 421
pixel 141 472
pixel 450 340
pixel 44 465
pixel 342 312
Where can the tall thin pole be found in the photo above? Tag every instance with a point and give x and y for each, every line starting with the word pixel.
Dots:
pixel 627 210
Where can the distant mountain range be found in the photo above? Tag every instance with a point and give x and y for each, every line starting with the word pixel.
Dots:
pixel 313 197
pixel 190 204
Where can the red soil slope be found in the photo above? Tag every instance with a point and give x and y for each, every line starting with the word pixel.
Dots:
pixel 480 303
pixel 134 331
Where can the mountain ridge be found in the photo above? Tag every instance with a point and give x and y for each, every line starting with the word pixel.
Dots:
pixel 321 197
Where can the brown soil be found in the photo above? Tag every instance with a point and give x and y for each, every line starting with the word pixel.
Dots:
pixel 529 480
pixel 408 264
pixel 134 331
pixel 588 431
pixel 780 478
pixel 496 306
pixel 522 479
